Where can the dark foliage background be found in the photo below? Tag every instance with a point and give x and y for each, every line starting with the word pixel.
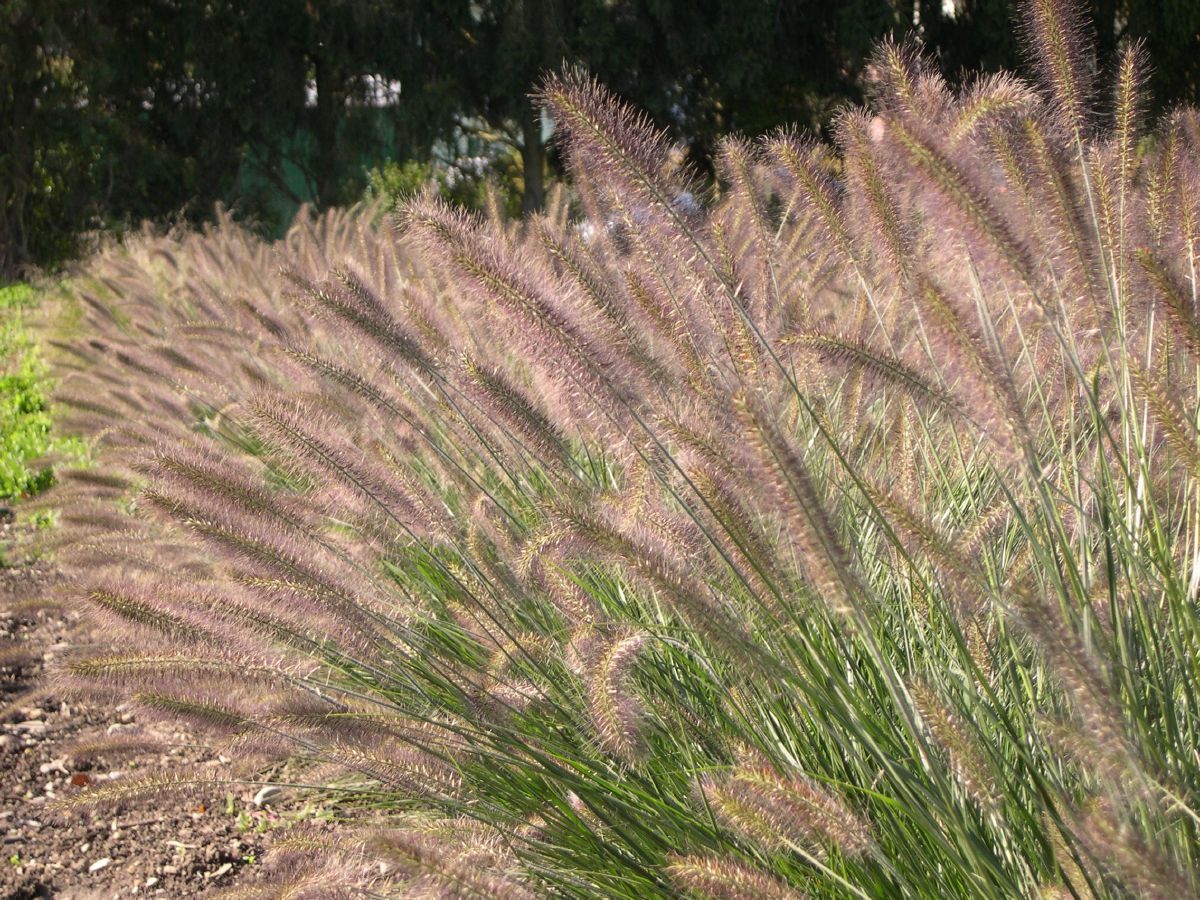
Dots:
pixel 113 111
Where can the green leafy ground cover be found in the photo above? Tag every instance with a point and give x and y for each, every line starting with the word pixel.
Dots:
pixel 25 424
pixel 24 416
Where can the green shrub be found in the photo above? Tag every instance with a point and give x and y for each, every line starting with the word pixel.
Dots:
pixel 395 182
pixel 474 183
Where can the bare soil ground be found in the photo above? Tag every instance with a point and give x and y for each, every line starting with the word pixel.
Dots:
pixel 160 846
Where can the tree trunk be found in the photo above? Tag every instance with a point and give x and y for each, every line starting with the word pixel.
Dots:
pixel 1106 31
pixel 18 178
pixel 328 94
pixel 540 36
pixel 533 160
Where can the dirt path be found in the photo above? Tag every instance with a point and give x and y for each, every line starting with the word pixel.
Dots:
pixel 163 846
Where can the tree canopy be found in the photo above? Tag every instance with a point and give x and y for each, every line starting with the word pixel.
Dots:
pixel 112 111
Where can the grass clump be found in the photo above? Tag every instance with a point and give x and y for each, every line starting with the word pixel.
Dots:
pixel 831 536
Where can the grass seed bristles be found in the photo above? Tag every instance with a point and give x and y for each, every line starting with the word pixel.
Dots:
pixel 971 202
pixel 514 408
pixel 206 715
pixel 989 101
pixel 816 546
pixel 1114 848
pixel 128 669
pixel 951 734
pixel 431 865
pixel 1129 106
pixel 789 811
pixel 672 329
pixel 605 133
pixel 367 318
pixel 1059 44
pixel 738 159
pixel 1174 300
pixel 617 711
pixel 581 365
pixel 1179 432
pixel 1066 216
pixel 255 543
pixel 877 365
pixel 901 76
pixel 414 772
pixel 145 612
pixel 315 447
pixel 726 878
pixel 987 387
pixel 160 786
pixel 855 135
pixel 734 520
pixel 660 566
pixel 593 284
pixel 803 164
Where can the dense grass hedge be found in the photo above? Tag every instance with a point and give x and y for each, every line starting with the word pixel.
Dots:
pixel 835 535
